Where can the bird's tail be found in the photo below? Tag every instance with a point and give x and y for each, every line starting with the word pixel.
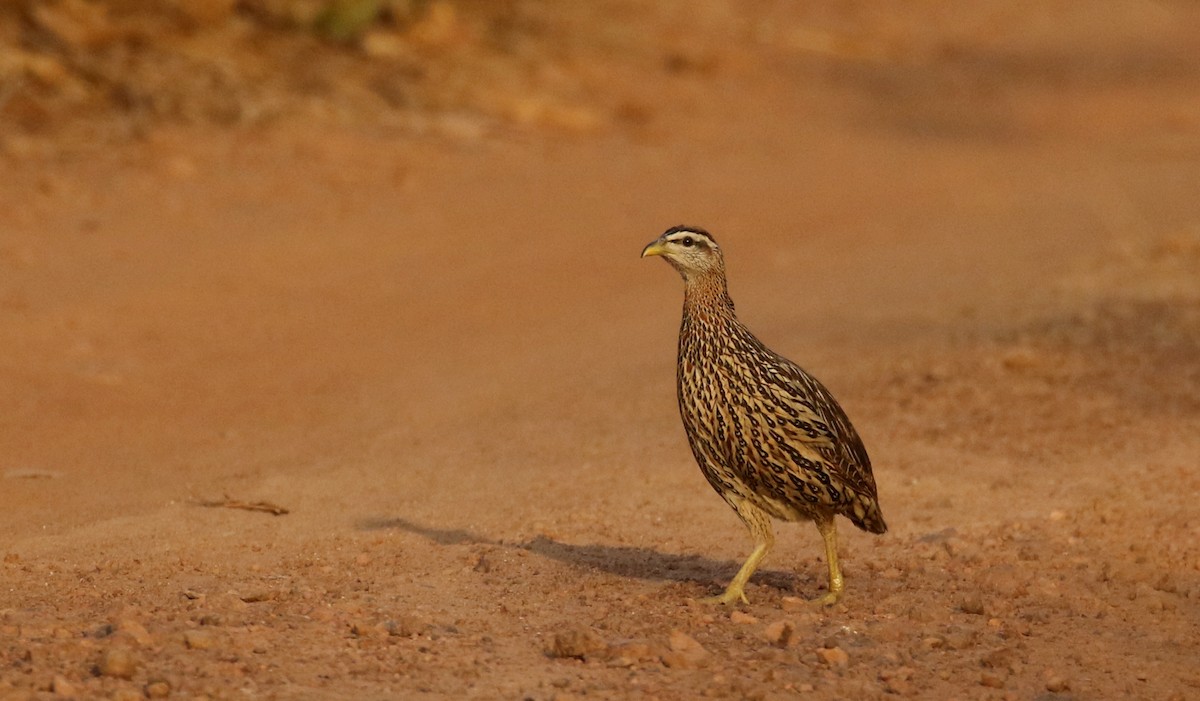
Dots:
pixel 866 515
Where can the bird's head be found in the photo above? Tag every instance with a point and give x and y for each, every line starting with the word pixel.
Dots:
pixel 691 250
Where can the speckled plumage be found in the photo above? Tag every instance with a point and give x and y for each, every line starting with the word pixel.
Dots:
pixel 770 439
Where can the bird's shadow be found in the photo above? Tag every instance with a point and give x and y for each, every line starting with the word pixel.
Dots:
pixel 621 560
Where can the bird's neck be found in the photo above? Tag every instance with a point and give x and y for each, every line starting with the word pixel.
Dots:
pixel 706 297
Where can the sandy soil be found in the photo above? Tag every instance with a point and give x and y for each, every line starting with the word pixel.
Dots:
pixel 438 350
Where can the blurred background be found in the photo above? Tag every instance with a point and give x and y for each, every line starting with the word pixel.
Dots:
pixel 112 68
pixel 374 263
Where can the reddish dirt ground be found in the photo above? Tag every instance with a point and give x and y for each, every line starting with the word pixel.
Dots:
pixel 439 351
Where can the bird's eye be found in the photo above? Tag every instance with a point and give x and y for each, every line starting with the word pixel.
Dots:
pixel 688 242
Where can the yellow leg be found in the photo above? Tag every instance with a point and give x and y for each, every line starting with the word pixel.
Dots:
pixel 828 528
pixel 759 524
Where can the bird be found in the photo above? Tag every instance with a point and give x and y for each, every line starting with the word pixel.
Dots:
pixel 770 439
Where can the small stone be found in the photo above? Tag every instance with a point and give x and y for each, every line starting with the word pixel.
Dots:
pixel 972 604
pixel 792 604
pixel 900 687
pixel 933 642
pixel 406 626
pixel 631 652
pixel 158 689
pixel 118 662
pixel 578 643
pixel 135 631
pixel 992 680
pixel 199 640
pixel 898 680
pixel 370 631
pixel 1056 683
pixel 685 652
pixel 63 688
pixel 780 633
pixel 741 617
pixel 833 656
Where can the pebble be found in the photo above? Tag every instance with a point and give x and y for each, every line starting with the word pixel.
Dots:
pixel 61 687
pixel 1056 683
pixel 780 633
pixel 199 640
pixel 365 629
pixel 991 679
pixel 135 631
pixel 685 652
pixel 578 643
pixel 741 617
pixel 407 626
pixel 631 652
pixel 118 662
pixel 972 604
pixel 158 689
pixel 898 680
pixel 833 656
pixel 793 603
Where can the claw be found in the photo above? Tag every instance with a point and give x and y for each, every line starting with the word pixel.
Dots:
pixel 732 595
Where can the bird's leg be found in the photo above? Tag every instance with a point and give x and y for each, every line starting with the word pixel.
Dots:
pixel 828 528
pixel 759 524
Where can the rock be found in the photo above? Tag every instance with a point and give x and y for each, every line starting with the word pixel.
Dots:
pixel 741 617
pixel 933 642
pixel 898 680
pixel 793 604
pixel 158 689
pixel 631 652
pixel 992 679
pixel 406 626
pixel 833 656
pixel 1003 659
pixel 972 604
pixel 780 633
pixel 118 662
pixel 365 629
pixel 63 688
pixel 135 631
pixel 685 652
pixel 578 643
pixel 199 640
pixel 1056 683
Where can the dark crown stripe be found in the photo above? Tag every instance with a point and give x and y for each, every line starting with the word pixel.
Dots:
pixel 690 230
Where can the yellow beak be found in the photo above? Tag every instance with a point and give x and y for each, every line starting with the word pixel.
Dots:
pixel 654 248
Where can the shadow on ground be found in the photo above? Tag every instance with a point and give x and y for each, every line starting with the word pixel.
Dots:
pixel 620 560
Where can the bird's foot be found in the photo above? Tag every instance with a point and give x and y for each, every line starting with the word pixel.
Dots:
pixel 829 599
pixel 732 595
pixel 833 595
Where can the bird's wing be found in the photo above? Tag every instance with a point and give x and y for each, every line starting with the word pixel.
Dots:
pixel 822 422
